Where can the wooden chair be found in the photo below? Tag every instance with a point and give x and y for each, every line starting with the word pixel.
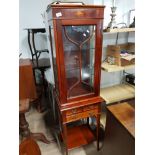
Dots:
pixel 24 126
pixel 41 64
pixel 27 93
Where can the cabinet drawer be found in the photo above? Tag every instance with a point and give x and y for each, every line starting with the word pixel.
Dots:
pixel 74 111
pixel 90 107
pixel 81 115
pixel 81 109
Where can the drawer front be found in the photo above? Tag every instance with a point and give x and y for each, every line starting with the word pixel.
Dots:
pixel 74 111
pixel 90 107
pixel 81 115
pixel 81 109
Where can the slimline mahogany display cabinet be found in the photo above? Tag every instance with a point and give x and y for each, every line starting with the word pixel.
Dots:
pixel 75 33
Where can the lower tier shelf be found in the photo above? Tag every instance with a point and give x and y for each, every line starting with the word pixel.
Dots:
pixel 78 136
pixel 117 93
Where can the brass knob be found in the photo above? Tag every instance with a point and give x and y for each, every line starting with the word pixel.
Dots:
pixel 74 111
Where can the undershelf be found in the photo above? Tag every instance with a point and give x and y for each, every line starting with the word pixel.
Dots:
pixel 78 136
pixel 117 93
pixel 114 68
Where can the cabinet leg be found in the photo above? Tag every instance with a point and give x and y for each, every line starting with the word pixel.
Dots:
pixel 88 121
pixel 97 130
pixel 65 138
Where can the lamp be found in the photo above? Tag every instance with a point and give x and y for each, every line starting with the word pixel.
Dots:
pixel 112 23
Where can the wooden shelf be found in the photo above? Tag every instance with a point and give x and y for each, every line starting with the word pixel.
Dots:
pixel 119 30
pixel 114 68
pixel 117 93
pixel 78 136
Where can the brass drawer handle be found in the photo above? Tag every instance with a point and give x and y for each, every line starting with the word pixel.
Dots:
pixel 74 111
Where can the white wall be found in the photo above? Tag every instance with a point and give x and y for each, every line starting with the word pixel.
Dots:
pixel 30 17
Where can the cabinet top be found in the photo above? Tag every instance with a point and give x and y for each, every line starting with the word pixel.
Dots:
pixel 75 11
pixel 73 6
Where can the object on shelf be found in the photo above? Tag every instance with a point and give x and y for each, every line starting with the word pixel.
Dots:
pixel 130 79
pixel 111 60
pixel 131 18
pixel 121 25
pixel 123 54
pixel 112 23
pixel 127 60
pixel 132 24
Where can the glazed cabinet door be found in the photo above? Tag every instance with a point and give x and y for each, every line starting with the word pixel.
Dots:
pixel 80 50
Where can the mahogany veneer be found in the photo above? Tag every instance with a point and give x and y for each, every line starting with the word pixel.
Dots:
pixel 79 135
pixel 119 136
pixel 75 34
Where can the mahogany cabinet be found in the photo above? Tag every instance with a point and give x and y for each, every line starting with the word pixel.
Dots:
pixel 75 33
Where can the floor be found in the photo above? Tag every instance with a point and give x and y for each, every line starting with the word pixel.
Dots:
pixel 42 122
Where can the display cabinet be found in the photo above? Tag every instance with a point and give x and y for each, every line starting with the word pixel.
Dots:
pixel 75 34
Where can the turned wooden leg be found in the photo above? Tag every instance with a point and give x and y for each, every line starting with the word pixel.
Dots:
pixel 23 125
pixel 97 130
pixel 88 121
pixel 65 138
pixel 25 132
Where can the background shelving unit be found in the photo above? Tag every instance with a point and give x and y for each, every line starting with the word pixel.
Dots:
pixel 122 91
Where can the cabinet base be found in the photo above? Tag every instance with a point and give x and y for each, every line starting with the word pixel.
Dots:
pixel 78 136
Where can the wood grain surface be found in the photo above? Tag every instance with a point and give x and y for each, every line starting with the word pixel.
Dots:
pixel 125 114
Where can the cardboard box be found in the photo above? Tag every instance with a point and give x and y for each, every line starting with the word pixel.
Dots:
pixel 115 57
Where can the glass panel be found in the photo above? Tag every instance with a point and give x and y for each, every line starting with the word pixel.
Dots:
pixel 79 49
pixel 53 49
